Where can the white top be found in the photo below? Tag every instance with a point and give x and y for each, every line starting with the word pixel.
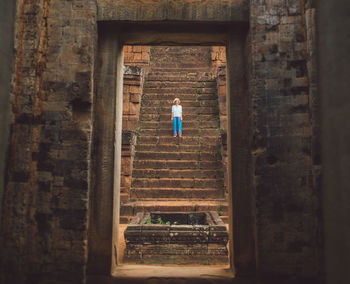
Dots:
pixel 176 110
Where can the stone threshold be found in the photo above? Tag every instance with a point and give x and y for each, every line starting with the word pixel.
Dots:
pixel 144 272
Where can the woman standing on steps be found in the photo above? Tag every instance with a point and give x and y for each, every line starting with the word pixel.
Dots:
pixel 176 117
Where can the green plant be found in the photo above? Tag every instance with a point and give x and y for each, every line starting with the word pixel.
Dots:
pixel 160 221
pixel 220 212
pixel 217 116
pixel 138 130
pixel 219 151
pixel 149 220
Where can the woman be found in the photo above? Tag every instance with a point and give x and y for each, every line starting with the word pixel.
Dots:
pixel 176 117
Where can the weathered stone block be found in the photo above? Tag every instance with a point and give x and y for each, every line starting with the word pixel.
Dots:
pixel 177 235
pixel 135 98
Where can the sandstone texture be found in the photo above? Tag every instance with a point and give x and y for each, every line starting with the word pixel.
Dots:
pixel 50 183
pixel 176 238
pixel 170 173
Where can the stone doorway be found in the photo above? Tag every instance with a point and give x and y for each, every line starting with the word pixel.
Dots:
pixel 160 173
pixel 103 248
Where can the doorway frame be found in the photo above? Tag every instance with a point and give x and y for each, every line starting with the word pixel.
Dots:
pixel 107 130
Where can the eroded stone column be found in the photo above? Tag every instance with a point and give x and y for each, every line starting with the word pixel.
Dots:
pixel 242 253
pixel 104 212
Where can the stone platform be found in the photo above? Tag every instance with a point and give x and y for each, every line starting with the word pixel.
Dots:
pixel 176 238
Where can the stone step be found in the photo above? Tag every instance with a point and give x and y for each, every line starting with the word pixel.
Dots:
pixel 186 116
pixel 124 197
pixel 171 193
pixel 169 124
pixel 175 206
pixel 176 164
pixel 184 55
pixel 177 183
pixel 127 219
pixel 184 58
pixel 208 140
pixel 175 51
pixel 180 60
pixel 180 63
pixel 189 119
pixel 200 156
pixel 184 103
pixel 184 97
pixel 191 110
pixel 180 90
pixel 187 80
pixel 177 148
pixel 180 69
pixel 129 209
pixel 180 76
pixel 188 50
pixel 185 131
pixel 185 52
pixel 177 173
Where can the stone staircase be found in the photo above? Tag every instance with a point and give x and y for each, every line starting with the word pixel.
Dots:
pixel 178 174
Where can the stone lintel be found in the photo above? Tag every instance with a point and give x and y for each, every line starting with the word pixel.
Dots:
pixel 173 10
pixel 173 32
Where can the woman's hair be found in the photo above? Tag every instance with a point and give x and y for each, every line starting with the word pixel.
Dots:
pixel 176 99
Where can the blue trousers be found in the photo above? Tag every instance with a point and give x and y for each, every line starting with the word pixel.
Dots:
pixel 177 125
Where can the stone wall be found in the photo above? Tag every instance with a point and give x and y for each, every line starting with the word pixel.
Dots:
pixel 7 25
pixel 46 198
pixel 218 64
pixel 333 39
pixel 136 55
pixel 218 57
pixel 132 91
pixel 136 61
pixel 44 232
pixel 287 200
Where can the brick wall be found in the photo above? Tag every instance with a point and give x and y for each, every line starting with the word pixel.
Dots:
pixel 218 57
pixel 136 55
pixel 218 65
pixel 132 91
pixel 136 61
